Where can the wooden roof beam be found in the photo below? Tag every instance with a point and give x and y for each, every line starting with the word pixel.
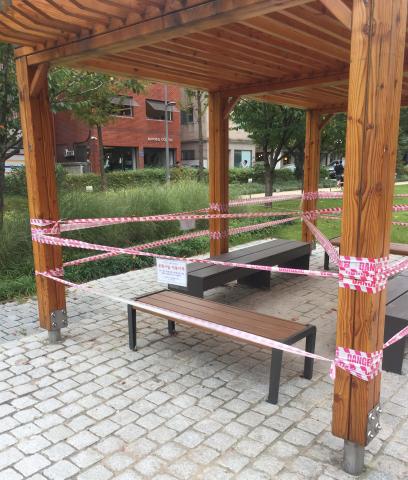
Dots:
pixel 286 84
pixel 203 16
pixel 339 10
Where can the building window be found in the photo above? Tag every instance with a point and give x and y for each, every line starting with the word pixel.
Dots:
pixel 124 106
pixel 187 116
pixel 155 110
pixel 242 158
pixel 187 155
pixel 119 158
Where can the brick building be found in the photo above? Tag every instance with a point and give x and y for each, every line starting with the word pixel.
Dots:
pixel 135 139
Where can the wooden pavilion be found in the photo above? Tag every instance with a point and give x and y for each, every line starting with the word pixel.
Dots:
pixel 324 56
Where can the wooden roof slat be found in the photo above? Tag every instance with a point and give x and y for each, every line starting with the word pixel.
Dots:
pixel 285 45
pixel 298 37
pixel 160 58
pixel 202 50
pixel 42 18
pixel 106 65
pixel 256 48
pixel 69 11
pixel 208 15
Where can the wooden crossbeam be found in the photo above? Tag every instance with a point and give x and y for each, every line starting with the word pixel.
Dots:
pixel 325 121
pixel 289 83
pixel 39 78
pixel 340 10
pixel 230 106
pixel 211 14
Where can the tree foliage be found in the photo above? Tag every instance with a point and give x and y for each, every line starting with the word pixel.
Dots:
pixel 89 97
pixel 278 130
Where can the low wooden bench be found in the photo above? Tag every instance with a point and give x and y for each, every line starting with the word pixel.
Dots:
pixel 265 326
pixel 395 249
pixel 287 253
pixel 396 318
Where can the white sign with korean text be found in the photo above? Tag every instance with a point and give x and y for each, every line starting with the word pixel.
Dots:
pixel 172 272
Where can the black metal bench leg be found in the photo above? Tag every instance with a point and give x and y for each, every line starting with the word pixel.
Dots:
pixel 171 327
pixel 394 355
pixel 274 379
pixel 326 261
pixel 132 327
pixel 310 347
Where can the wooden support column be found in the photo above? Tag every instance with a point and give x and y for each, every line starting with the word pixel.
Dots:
pixel 218 168
pixel 311 169
pixel 377 54
pixel 39 153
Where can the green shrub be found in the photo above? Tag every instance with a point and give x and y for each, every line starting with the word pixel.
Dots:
pixel 16 262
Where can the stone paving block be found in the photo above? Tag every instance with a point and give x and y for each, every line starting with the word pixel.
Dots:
pixel 10 474
pixel 82 439
pixel 192 406
pixel 31 464
pixel 61 470
pixel 99 472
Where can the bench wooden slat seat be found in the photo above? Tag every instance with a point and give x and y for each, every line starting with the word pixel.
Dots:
pixel 264 326
pixel 395 249
pixel 288 253
pixel 396 319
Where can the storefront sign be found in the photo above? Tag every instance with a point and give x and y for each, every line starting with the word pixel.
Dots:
pixel 172 272
pixel 158 139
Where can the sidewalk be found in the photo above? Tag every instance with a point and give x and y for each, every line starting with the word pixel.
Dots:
pixel 190 407
pixel 299 192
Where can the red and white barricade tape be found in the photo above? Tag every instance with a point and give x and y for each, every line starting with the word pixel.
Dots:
pixel 67 242
pixel 359 364
pixel 323 240
pixel 368 275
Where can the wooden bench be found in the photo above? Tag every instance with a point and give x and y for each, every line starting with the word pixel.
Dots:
pixel 395 249
pixel 265 326
pixel 287 253
pixel 396 318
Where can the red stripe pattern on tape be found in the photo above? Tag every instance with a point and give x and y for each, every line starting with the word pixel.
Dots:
pixel 367 275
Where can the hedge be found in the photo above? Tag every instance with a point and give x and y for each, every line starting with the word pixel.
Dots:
pixel 16 182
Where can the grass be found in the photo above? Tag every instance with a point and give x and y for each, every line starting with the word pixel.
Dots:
pixel 16 263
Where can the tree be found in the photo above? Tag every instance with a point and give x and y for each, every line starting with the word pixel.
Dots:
pixel 10 135
pixel 197 100
pixel 89 97
pixel 275 128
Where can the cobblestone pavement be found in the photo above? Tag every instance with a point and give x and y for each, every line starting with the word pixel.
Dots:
pixel 185 407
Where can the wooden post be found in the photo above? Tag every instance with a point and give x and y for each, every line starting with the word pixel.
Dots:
pixel 218 169
pixel 39 153
pixel 377 54
pixel 311 169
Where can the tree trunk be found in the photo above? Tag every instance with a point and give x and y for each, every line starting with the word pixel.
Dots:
pixel 2 190
pixel 104 184
pixel 200 136
pixel 268 174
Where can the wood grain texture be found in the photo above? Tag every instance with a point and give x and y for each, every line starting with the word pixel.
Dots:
pixel 39 148
pixel 340 10
pixel 311 168
pixel 218 167
pixel 376 72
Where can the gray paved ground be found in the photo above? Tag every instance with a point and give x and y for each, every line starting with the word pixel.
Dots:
pixel 186 407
